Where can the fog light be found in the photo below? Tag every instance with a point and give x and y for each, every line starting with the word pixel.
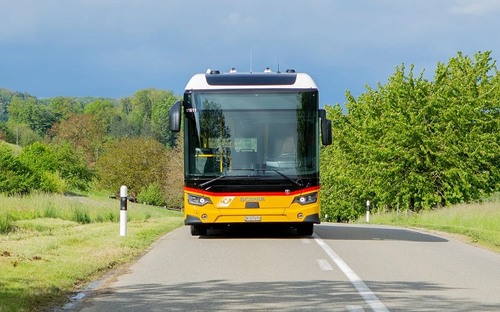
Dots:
pixel 204 216
pixel 300 215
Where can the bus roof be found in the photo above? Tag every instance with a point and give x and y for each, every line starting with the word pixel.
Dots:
pixel 214 80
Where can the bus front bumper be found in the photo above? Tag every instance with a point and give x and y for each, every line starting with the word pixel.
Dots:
pixel 192 220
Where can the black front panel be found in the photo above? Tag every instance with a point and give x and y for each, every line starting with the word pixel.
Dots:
pixel 257 79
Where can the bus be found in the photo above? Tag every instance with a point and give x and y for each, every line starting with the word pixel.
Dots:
pixel 251 149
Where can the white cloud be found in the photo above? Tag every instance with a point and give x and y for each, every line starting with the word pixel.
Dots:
pixel 235 19
pixel 477 7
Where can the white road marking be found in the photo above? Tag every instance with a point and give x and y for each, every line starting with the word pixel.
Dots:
pixel 353 308
pixel 360 286
pixel 324 265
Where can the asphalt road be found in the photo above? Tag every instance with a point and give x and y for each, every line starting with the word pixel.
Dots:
pixel 341 268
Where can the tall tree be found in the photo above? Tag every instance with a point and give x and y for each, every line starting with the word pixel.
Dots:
pixel 103 112
pixel 417 144
pixel 467 93
pixel 64 107
pixel 83 132
pixel 37 116
pixel 160 117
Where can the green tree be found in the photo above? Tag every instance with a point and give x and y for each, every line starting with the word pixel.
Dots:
pixel 63 107
pixel 140 115
pixel 148 113
pixel 19 111
pixel 103 112
pixel 22 134
pixel 37 116
pixel 340 174
pixel 146 167
pixel 134 162
pixel 160 117
pixel 83 132
pixel 415 144
pixel 467 148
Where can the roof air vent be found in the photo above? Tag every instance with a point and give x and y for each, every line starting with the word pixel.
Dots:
pixel 267 70
pixel 233 70
pixel 290 71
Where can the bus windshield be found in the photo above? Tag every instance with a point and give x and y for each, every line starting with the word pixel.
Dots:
pixel 251 133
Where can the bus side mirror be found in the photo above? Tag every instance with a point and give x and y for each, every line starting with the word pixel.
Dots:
pixel 326 128
pixel 175 117
pixel 326 132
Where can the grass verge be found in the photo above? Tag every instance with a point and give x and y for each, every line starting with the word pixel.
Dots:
pixel 479 223
pixel 50 245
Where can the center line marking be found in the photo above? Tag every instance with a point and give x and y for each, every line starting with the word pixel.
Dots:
pixel 365 292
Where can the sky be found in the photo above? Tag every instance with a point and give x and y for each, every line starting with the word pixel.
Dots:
pixel 113 48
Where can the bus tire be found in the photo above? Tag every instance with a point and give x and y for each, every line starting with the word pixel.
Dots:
pixel 198 230
pixel 305 229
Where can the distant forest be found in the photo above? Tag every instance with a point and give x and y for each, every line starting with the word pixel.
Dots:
pixel 409 143
pixel 118 141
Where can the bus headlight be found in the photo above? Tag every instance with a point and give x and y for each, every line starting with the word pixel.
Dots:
pixel 306 199
pixel 198 200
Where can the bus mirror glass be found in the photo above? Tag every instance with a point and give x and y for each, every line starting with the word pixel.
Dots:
pixel 326 131
pixel 175 117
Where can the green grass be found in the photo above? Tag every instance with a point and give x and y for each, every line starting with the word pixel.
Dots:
pixel 50 245
pixel 479 223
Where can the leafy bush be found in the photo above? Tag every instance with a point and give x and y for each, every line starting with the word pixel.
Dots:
pixel 47 168
pixel 15 177
pixel 51 182
pixel 73 168
pixel 59 166
pixel 152 195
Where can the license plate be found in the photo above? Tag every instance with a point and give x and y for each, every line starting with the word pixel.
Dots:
pixel 253 218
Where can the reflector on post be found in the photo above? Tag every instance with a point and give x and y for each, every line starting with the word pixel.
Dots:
pixel 123 210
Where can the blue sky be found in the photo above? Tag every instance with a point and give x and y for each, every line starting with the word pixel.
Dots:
pixel 113 48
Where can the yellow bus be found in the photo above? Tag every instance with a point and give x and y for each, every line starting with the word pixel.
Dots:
pixel 251 149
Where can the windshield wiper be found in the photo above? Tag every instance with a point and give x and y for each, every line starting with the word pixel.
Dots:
pixel 211 181
pixel 296 182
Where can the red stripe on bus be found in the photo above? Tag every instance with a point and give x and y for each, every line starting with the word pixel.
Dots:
pixel 281 193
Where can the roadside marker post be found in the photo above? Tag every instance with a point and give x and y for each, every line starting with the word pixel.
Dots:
pixel 367 211
pixel 123 210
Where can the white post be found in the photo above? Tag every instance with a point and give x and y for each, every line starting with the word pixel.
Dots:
pixel 123 210
pixel 367 211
